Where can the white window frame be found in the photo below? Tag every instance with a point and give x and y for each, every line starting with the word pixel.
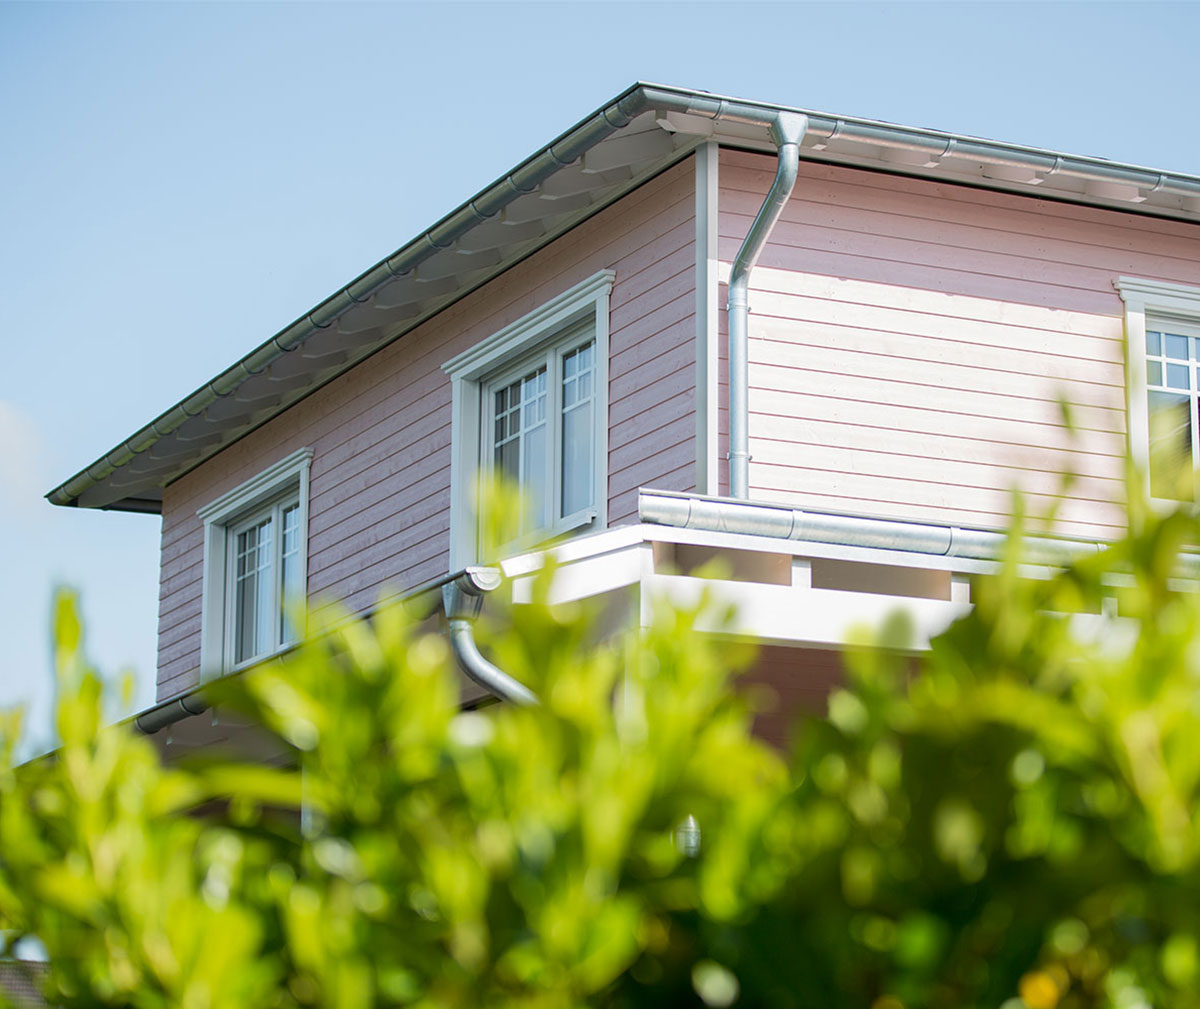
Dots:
pixel 550 331
pixel 1162 302
pixel 266 494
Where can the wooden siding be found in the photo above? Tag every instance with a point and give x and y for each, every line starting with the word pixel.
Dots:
pixel 913 343
pixel 380 483
pixel 785 684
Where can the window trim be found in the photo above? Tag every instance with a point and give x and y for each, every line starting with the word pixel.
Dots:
pixel 1154 298
pixel 222 517
pixel 477 368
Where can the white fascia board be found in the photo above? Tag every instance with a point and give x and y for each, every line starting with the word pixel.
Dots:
pixel 585 567
pixel 580 548
pixel 708 315
pixel 818 618
pixel 584 550
pixel 796 614
pixel 595 576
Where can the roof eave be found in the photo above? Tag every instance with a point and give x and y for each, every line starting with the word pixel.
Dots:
pixel 902 150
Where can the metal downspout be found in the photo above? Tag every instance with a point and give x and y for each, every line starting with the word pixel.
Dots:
pixel 463 599
pixel 787 131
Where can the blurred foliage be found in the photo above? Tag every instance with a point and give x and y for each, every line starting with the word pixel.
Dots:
pixel 503 856
pixel 1009 820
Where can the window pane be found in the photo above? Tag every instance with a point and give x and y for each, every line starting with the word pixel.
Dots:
pixel 508 431
pixel 291 591
pixel 533 477
pixel 577 463
pixel 1177 346
pixel 577 459
pixel 508 459
pixel 1177 376
pixel 1171 473
pixel 252 592
pixel 534 399
pixel 1154 372
pixel 519 450
pixel 1153 342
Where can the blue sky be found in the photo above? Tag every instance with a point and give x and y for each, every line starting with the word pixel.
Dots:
pixel 179 181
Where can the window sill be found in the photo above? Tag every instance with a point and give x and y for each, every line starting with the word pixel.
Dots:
pixel 258 660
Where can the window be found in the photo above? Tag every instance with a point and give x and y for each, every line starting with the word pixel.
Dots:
pixel 1171 397
pixel 255 552
pixel 540 432
pixel 531 404
pixel 1162 330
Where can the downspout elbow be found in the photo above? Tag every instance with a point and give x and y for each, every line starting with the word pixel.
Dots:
pixel 462 600
pixel 473 663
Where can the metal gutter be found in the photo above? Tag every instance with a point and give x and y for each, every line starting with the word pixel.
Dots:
pixel 938 144
pixel 936 147
pixel 784 522
pixel 461 594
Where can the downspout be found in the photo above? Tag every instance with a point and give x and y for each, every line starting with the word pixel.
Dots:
pixel 463 599
pixel 787 130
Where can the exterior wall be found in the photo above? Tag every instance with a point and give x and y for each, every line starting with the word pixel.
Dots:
pixel 785 684
pixel 911 342
pixel 380 480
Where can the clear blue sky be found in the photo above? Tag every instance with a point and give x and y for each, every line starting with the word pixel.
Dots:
pixel 179 181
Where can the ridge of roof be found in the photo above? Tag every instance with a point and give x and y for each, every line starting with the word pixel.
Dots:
pixel 634 136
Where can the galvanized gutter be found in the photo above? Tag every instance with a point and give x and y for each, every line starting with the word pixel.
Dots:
pixel 726 515
pixel 461 595
pixel 935 147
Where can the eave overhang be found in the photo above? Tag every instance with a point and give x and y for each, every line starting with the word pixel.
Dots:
pixel 629 140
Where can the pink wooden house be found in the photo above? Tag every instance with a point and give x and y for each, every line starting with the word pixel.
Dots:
pixel 841 421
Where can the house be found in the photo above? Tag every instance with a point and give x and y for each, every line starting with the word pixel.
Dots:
pixel 820 349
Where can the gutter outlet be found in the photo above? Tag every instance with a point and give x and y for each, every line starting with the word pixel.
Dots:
pixel 787 130
pixel 463 599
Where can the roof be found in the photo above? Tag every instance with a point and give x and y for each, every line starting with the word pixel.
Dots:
pixel 628 140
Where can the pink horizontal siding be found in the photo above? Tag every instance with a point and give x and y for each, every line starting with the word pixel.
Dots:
pixel 380 434
pixel 914 344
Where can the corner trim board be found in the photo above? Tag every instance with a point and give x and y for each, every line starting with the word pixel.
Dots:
pixel 707 319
